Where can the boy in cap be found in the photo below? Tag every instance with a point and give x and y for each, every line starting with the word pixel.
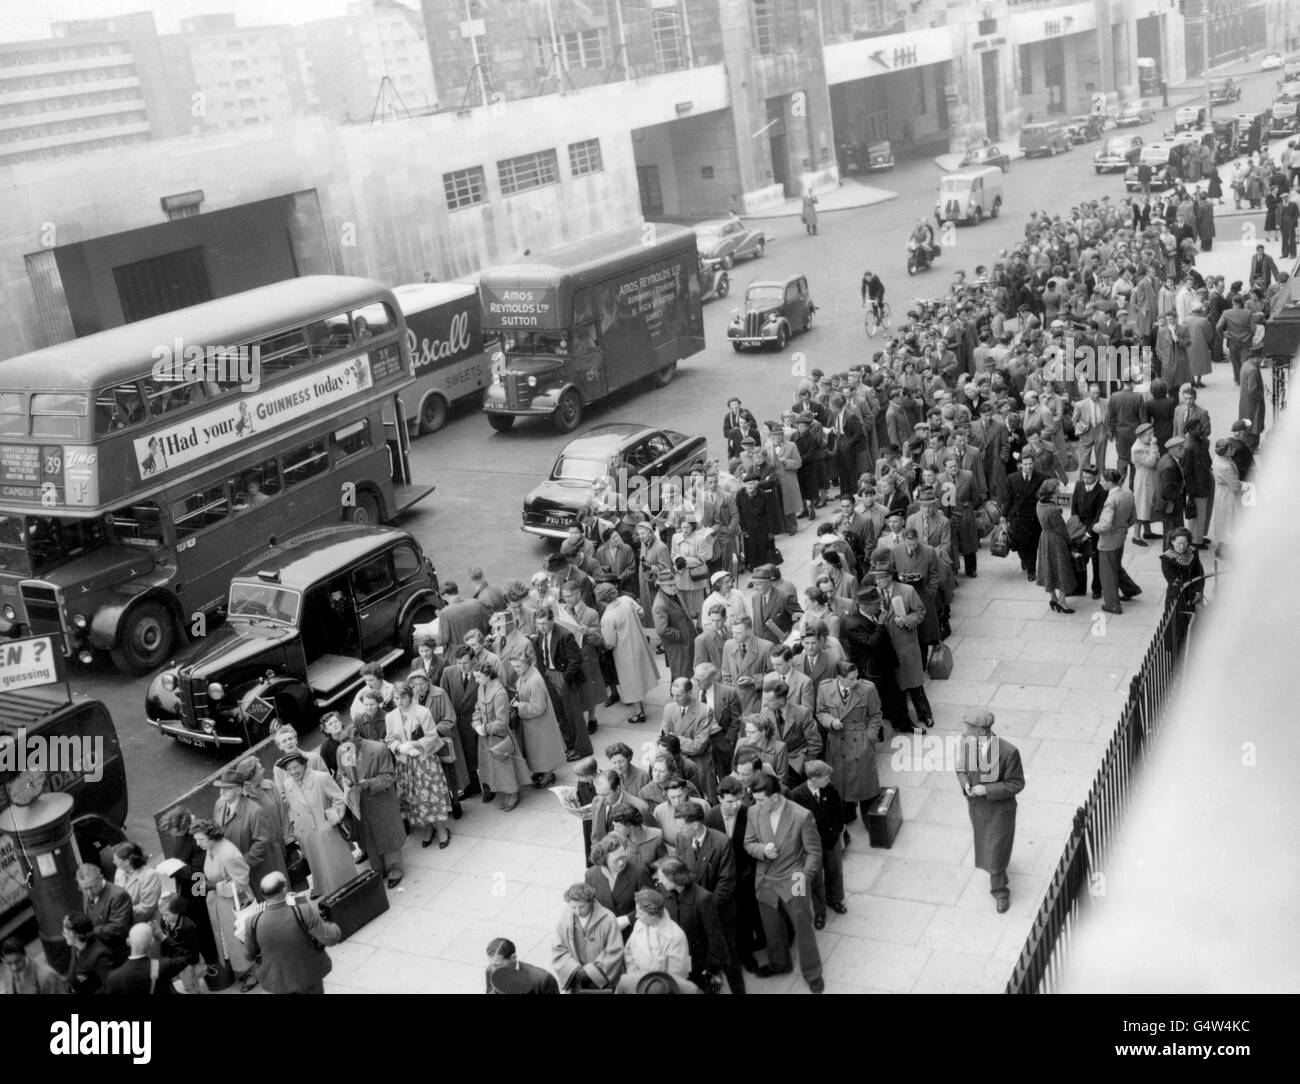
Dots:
pixel 990 775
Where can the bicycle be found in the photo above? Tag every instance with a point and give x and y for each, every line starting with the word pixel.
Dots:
pixel 872 322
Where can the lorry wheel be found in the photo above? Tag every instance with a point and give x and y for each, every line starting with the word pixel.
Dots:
pixel 146 639
pixel 501 422
pixel 568 414
pixel 433 414
pixel 365 512
pixel 664 376
pixel 997 206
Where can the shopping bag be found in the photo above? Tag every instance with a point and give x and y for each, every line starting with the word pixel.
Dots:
pixel 940 666
pixel 1000 543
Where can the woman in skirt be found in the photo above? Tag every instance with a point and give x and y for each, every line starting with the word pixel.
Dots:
pixel 421 787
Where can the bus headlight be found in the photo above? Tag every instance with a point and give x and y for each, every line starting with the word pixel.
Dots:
pixel 80 620
pixel 216 691
pixel 9 612
pixel 532 381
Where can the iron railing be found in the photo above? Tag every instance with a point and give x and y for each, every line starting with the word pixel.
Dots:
pixel 1099 821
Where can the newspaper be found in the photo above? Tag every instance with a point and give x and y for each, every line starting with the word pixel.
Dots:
pixel 568 797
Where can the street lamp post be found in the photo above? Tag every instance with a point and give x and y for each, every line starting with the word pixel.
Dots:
pixel 1205 54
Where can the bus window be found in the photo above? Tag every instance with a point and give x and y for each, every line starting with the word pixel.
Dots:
pixel 58 415
pixel 201 509
pixel 117 408
pixel 52 541
pixel 13 545
pixel 258 485
pixel 351 440
pixel 13 418
pixel 280 353
pixel 324 337
pixel 376 319
pixel 305 462
pixel 138 524
pixel 165 396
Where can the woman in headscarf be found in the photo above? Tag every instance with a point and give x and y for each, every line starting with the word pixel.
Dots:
pixel 451 753
pixel 316 808
pixel 539 728
pixel 1227 493
pixel 620 627
pixel 176 832
pixel 225 873
pixel 1181 565
pixel 691 550
pixel 501 764
pixel 413 739
pixel 1055 563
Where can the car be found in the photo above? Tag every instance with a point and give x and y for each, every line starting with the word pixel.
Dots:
pixel 775 310
pixel 639 458
pixel 1189 116
pixel 727 240
pixel 1156 155
pixel 1288 91
pixel 1045 137
pixel 1290 71
pixel 990 154
pixel 1285 118
pixel 1118 152
pixel 1135 113
pixel 1223 91
pixel 1086 127
pixel 302 619
pixel 1271 62
pixel 880 156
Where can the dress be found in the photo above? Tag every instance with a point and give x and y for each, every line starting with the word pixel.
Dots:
pixel 1055 563
pixel 421 784
pixel 621 628
pixel 315 808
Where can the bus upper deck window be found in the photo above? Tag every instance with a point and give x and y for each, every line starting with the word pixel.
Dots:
pixel 56 414
pixel 376 319
pixel 117 408
pixel 13 417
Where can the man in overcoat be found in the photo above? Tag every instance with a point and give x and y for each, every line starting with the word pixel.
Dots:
pixel 369 776
pixel 990 775
pixel 283 940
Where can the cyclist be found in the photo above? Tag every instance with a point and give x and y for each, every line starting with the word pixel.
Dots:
pixel 875 289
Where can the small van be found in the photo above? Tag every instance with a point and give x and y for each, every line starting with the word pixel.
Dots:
pixel 1047 138
pixel 969 195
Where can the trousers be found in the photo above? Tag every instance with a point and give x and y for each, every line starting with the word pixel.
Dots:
pixel 799 910
pixel 828 885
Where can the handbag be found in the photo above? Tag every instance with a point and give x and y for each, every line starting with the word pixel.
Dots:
pixel 503 748
pixel 516 721
pixel 940 667
pixel 1000 543
pixel 245 915
pixel 296 865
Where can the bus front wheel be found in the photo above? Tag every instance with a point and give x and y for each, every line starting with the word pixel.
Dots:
pixel 501 422
pixel 568 414
pixel 365 512
pixel 146 640
pixel 433 414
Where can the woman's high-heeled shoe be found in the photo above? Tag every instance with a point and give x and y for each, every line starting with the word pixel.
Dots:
pixel 1059 608
pixel 428 840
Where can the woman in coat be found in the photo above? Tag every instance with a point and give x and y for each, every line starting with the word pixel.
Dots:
pixel 644 845
pixel 1055 562
pixel 588 952
pixel 1227 493
pixel 1160 412
pixel 785 457
pixel 412 737
pixel 620 628
pixel 693 724
pixel 1181 565
pixel 501 765
pixel 1198 469
pixel 315 806
pixel 617 878
pixel 758 739
pixel 691 551
pixel 849 713
pixel 225 875
pixel 540 729
pixel 1145 455
pixel 175 831
pixel 451 753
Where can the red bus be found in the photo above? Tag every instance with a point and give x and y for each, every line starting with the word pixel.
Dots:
pixel 141 466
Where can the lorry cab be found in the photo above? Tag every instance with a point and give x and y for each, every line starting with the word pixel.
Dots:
pixel 1047 138
pixel 969 195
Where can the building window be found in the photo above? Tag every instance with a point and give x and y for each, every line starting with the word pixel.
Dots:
pixel 764 27
pixel 1026 70
pixel 875 14
pixel 585 157
pixel 670 44
pixel 463 187
pixel 527 171
pixel 584 48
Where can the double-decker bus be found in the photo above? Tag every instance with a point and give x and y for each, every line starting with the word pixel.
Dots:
pixel 132 486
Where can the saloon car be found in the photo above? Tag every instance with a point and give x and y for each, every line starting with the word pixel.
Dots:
pixel 728 240
pixel 1085 128
pixel 1135 113
pixel 1271 62
pixel 1223 91
pixel 989 155
pixel 302 618
pixel 605 465
pixel 1118 152
pixel 775 310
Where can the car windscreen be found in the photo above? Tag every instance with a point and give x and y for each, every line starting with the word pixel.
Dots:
pixel 1117 146
pixel 264 600
pixel 954 186
pixel 573 469
pixel 764 295
pixel 1155 156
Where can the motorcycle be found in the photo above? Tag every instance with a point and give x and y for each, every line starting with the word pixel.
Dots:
pixel 714 281
pixel 920 257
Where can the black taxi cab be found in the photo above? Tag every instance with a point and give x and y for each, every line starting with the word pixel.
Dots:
pixel 301 621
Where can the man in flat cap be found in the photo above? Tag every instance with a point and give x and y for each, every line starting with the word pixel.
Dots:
pixel 675 626
pixel 990 775
pixel 1171 486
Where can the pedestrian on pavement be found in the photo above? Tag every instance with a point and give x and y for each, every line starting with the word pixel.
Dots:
pixel 693 908
pixel 138 974
pixel 560 665
pixel 315 806
pixel 1019 510
pixel 588 950
pixel 621 630
pixel 1146 457
pixel 368 775
pixel 1250 404
pixel 507 974
pixel 108 907
pixel 1118 514
pixel 830 812
pixel 225 879
pixel 289 938
pixel 656 948
pixel 539 729
pixel 1054 566
pixel 808 215
pixel 23 974
pixel 991 776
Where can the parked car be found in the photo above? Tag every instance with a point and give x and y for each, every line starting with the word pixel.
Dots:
pixel 880 156
pixel 301 620
pixel 1086 127
pixel 1252 131
pixel 1290 71
pixel 1286 118
pixel 1225 139
pixel 727 240
pixel 1135 113
pixel 1189 116
pixel 1223 91
pixel 1118 152
pixel 714 280
pixel 969 196
pixel 1047 138
pixel 646 454
pixel 989 154
pixel 1271 62
pixel 774 311
pixel 1156 155
pixel 1288 91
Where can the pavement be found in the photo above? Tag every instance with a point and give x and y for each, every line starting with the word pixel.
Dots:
pixel 849 196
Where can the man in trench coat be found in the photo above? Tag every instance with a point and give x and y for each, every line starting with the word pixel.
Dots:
pixel 991 779
pixel 369 776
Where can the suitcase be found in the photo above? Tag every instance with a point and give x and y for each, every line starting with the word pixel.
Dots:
pixel 356 903
pixel 885 818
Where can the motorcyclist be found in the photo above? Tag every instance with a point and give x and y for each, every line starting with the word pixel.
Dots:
pixel 923 238
pixel 875 289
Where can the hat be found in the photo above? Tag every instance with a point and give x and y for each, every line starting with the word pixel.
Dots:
pixel 805 418
pixel 657 982
pixel 557 562
pixel 921 425
pixel 1241 425
pixel 749 442
pixel 1145 427
pixel 884 562
pixel 666 575
pixel 1175 442
pixel 828 538
pixel 869 594
pixel 510 980
pixel 926 494
pixel 718 577
pixel 764 572
pixel 231 777
pixel 571 545
pixel 977 719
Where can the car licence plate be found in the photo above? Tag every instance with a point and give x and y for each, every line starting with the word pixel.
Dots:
pixel 185 739
pixel 557 521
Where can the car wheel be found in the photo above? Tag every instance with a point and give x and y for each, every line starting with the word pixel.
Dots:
pixel 724 285
pixel 146 639
pixel 433 414
pixel 663 377
pixel 568 414
pixel 762 244
pixel 728 260
pixel 1098 170
pixel 997 206
pixel 911 266
pixel 501 422
pixel 782 337
pixel 365 512
pixel 807 320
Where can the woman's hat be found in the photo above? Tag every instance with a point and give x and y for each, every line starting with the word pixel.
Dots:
pixel 1145 427
pixel 718 577
pixel 1175 442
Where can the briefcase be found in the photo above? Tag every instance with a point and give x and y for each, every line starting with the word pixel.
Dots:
pixel 885 818
pixel 356 903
